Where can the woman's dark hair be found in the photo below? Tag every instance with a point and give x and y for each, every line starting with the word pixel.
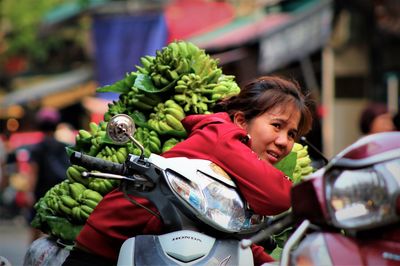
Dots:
pixel 263 94
pixel 368 115
pixel 396 120
pixel 47 119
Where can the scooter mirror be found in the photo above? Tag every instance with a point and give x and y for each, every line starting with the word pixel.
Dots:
pixel 120 128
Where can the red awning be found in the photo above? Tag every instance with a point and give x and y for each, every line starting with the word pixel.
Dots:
pixel 186 19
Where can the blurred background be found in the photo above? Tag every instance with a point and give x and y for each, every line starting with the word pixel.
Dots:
pixel 55 53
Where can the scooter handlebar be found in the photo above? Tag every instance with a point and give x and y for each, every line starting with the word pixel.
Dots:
pixel 93 163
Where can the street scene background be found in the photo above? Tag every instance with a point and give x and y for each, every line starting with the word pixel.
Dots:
pixel 55 54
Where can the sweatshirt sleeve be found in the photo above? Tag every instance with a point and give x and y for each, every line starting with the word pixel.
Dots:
pixel 266 189
pixel 114 220
pixel 260 256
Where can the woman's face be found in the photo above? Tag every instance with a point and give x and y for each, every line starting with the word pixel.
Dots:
pixel 382 123
pixel 272 133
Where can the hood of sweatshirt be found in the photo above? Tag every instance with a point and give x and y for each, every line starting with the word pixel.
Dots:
pixel 193 122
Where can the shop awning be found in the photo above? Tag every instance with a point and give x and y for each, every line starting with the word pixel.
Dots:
pixel 57 90
pixel 282 37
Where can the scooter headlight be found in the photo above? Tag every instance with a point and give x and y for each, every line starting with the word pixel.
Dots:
pixel 213 202
pixel 363 198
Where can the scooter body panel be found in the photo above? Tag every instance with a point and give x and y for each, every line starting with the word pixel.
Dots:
pixel 183 247
pixel 362 251
pixel 337 249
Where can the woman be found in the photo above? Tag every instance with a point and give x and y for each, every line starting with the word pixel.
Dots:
pixel 376 118
pixel 249 133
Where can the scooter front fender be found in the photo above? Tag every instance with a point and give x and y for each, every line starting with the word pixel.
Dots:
pixel 183 247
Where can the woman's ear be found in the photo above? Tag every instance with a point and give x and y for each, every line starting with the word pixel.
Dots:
pixel 239 120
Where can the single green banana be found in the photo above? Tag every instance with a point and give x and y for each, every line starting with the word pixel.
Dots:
pixel 302 153
pixel 183 50
pixel 84 214
pixel 91 194
pixel 76 189
pixel 84 134
pixel 120 156
pixel 76 213
pixel 68 201
pixel 164 127
pixel 307 170
pixel 91 203
pixel 93 128
pixel 155 140
pixel 64 209
pixel 108 184
pixel 175 112
pixel 108 150
pixel 174 123
pixel 73 172
pixel 304 161
pixel 87 209
pixel 297 147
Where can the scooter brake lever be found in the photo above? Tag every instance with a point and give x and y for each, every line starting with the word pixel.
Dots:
pixel 104 175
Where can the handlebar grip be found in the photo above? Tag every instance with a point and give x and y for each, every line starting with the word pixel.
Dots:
pixel 93 163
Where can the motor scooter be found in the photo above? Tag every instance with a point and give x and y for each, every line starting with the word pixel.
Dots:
pixel 348 212
pixel 203 214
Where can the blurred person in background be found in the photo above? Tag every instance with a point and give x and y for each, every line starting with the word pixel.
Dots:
pixel 65 133
pixel 376 118
pixel 396 120
pixel 3 158
pixel 48 159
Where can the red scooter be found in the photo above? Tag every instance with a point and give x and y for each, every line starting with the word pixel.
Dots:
pixel 347 213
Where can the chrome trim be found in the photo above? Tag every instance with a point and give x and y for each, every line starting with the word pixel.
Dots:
pixel 292 240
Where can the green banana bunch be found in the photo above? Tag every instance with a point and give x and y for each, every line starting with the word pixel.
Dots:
pixel 167 118
pixel 137 99
pixel 81 202
pixel 303 162
pixel 76 189
pixel 204 65
pixel 86 203
pixel 116 107
pixel 132 149
pixel 52 200
pixel 149 139
pixel 197 94
pixel 183 49
pixel 66 204
pixel 91 141
pixel 165 67
pixel 79 215
pixel 188 94
pixel 103 186
pixel 74 174
pixel 97 141
pixel 89 198
pixel 116 154
pixel 147 63
pixel 225 87
pixel 169 143
pixel 176 59
pixel 58 199
pixel 83 138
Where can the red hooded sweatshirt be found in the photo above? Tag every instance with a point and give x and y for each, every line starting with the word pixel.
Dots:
pixel 213 137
